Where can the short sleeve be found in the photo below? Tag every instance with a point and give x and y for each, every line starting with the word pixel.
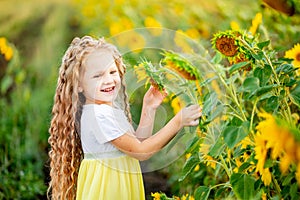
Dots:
pixel 111 123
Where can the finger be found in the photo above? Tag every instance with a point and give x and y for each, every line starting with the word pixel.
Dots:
pixel 194 122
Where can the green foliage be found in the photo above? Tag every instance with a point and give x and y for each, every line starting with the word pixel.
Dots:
pixel 27 89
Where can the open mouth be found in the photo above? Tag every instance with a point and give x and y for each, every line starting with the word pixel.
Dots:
pixel 110 89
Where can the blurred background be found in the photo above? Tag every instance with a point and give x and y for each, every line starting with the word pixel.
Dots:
pixel 34 35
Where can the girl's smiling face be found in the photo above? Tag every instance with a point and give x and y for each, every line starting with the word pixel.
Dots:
pixel 101 81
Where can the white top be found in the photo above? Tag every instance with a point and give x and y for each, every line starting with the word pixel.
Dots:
pixel 101 124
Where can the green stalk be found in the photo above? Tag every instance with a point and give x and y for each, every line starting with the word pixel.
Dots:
pixel 252 114
pixel 277 187
pixel 225 166
pixel 221 184
pixel 231 93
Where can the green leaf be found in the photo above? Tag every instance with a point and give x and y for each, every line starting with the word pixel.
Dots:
pixel 193 144
pixel 258 56
pixel 261 91
pixel 202 192
pixel 250 84
pixel 217 148
pixel 295 95
pixel 294 192
pixel 272 104
pixel 6 83
pixel 215 112
pixel 265 89
pixel 217 58
pixel 210 101
pixel 261 45
pixel 243 186
pixel 244 166
pixel 189 165
pixel 263 74
pixel 234 134
pixel 288 179
pixel 237 66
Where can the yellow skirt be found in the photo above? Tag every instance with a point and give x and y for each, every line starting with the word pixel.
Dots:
pixel 110 178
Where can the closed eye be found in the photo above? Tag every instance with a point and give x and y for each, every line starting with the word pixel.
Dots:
pixel 97 75
pixel 113 72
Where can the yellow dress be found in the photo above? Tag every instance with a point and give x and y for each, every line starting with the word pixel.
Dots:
pixel 106 173
pixel 110 178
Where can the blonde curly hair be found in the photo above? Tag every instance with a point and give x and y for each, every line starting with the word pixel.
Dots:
pixel 66 151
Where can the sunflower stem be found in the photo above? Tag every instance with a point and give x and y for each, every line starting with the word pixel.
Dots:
pixel 225 166
pixel 231 93
pixel 252 113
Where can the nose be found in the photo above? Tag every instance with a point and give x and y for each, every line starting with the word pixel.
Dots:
pixel 107 79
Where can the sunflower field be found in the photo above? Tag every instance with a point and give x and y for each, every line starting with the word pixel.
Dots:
pixel 240 60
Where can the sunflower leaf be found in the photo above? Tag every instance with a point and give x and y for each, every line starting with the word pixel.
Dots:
pixel 295 95
pixel 238 66
pixel 261 45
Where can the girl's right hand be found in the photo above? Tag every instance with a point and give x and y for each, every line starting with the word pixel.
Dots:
pixel 189 116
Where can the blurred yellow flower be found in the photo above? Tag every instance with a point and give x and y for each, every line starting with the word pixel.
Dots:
pixel 294 54
pixel 270 133
pixel 263 196
pixel 266 176
pixel 228 159
pixel 193 33
pixel 255 23
pixel 187 156
pixel 5 49
pixel 156 196
pixel 177 104
pixel 187 196
pixel 208 160
pixel 89 11
pixel 197 168
pixel 234 26
pixel 274 137
pixel 123 24
pixel 134 41
pixel 245 142
pixel 260 152
pixel 284 163
pixel 8 54
pixel 140 72
pixel 154 27
pixel 180 40
pixel 245 156
pixel 238 164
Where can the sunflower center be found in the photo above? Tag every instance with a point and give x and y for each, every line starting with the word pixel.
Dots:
pixel 226 46
pixel 297 57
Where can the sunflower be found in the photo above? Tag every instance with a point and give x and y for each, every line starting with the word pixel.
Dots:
pixel 229 44
pixel 147 71
pixel 294 54
pixel 180 65
pixel 278 138
pixel 226 43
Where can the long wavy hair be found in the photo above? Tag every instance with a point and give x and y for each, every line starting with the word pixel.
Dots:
pixel 66 151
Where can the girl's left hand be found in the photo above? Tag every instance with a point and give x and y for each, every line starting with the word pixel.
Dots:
pixel 153 97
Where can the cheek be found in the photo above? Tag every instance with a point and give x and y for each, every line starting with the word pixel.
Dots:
pixel 118 81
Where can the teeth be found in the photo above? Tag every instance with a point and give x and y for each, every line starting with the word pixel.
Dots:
pixel 108 89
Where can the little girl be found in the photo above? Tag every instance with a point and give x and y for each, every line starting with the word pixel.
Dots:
pixel 94 149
